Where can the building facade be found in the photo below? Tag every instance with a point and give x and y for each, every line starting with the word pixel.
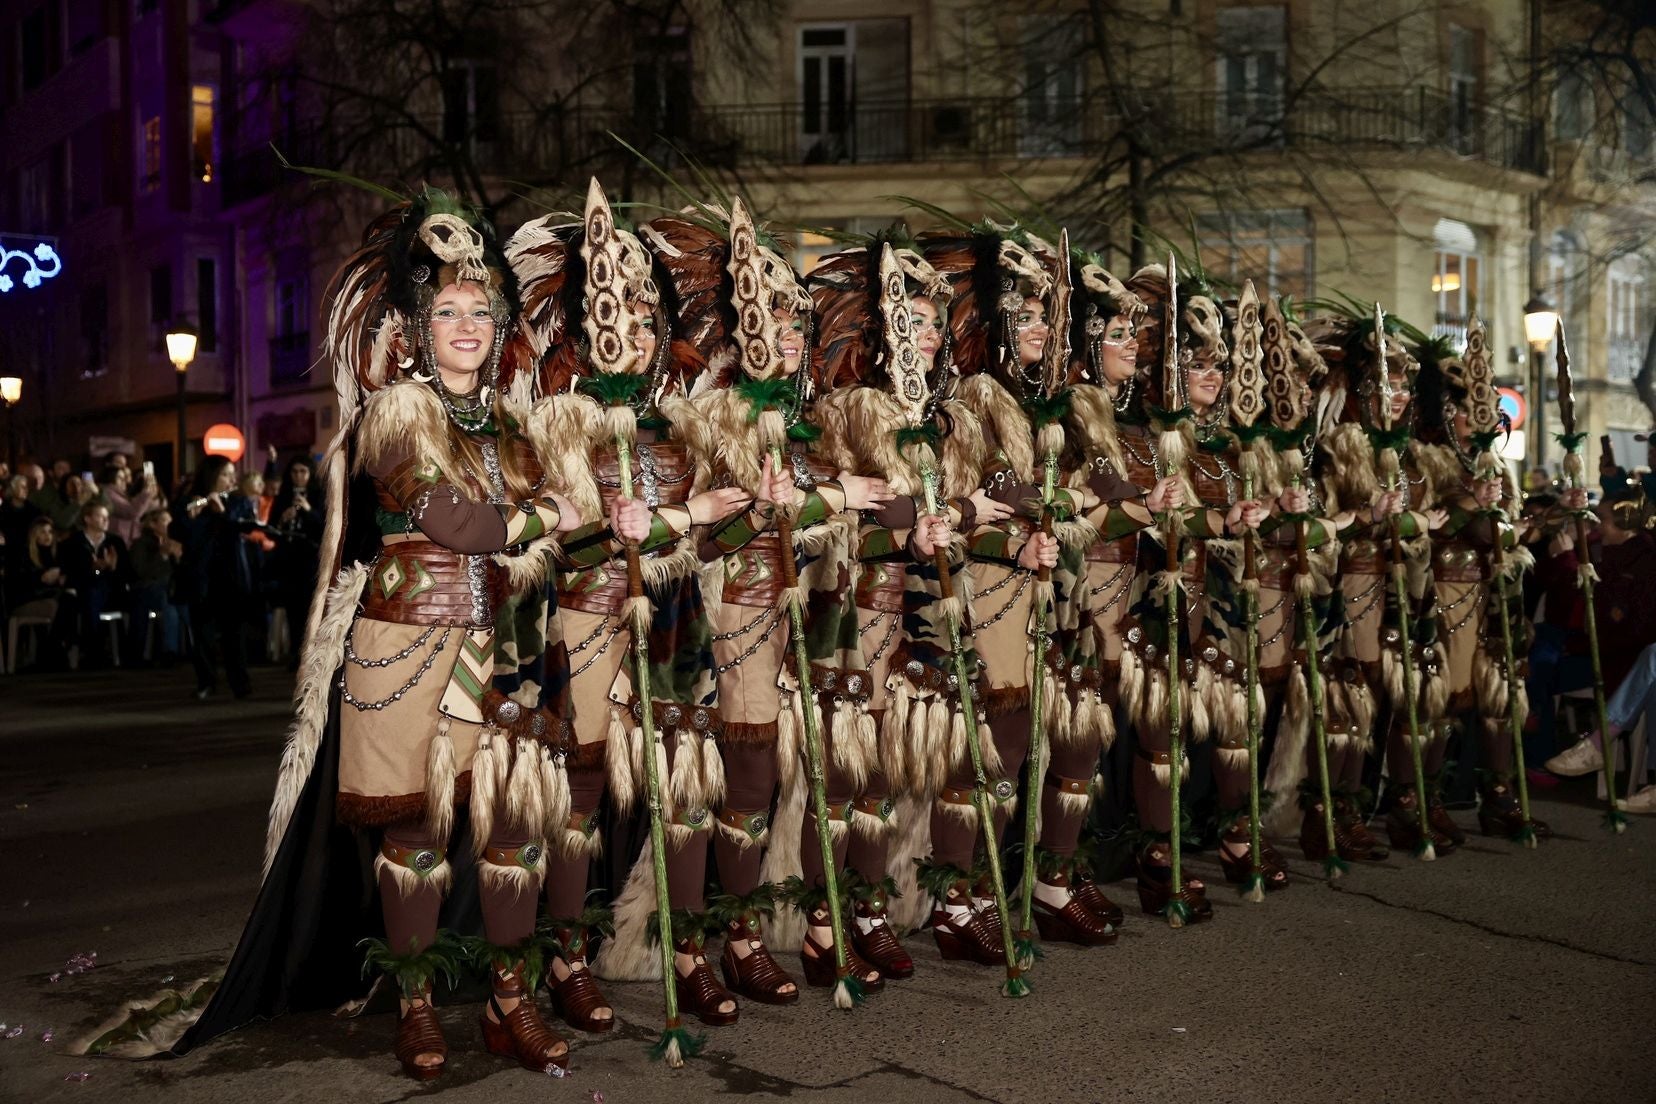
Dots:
pixel 1401 153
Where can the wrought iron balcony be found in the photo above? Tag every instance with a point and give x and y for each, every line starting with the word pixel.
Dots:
pixel 562 144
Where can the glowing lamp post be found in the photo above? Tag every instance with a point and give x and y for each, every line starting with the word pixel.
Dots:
pixel 11 390
pixel 181 350
pixel 1540 321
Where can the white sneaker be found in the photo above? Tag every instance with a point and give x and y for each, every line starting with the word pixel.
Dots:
pixel 1582 759
pixel 1642 802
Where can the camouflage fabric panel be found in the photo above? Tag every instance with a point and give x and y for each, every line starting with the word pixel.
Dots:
pixel 681 647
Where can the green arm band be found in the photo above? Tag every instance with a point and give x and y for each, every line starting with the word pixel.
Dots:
pixel 738 530
pixel 878 544
pixel 994 545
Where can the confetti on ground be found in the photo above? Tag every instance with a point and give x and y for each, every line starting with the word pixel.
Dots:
pixel 46 1036
pixel 14 1032
pixel 79 1077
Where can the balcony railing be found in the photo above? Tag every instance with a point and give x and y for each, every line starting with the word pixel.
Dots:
pixel 560 144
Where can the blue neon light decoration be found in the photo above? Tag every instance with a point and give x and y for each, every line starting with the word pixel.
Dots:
pixel 40 263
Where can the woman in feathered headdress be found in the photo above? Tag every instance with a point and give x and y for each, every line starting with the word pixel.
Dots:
pixel 998 331
pixel 1103 340
pixel 610 367
pixel 397 716
pixel 745 309
pixel 1461 417
pixel 889 409
pixel 1365 683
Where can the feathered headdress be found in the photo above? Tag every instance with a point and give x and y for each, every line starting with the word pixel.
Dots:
pixel 1201 336
pixel 379 301
pixel 865 331
pixel 588 287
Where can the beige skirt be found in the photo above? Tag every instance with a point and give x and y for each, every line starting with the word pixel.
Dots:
pixel 384 752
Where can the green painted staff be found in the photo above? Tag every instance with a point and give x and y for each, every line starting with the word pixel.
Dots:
pixel 848 990
pixel 1176 410
pixel 1391 469
pixel 1333 865
pixel 676 1043
pixel 1015 984
pixel 1614 818
pixel 1054 394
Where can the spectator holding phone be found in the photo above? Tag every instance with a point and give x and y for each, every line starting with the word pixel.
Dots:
pixel 130 497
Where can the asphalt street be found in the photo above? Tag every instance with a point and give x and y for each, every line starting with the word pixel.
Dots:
pixel 131 821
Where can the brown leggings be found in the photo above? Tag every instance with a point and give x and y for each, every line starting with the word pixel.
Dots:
pixel 1061 820
pixel 750 784
pixel 411 921
pixel 954 838
pixel 839 791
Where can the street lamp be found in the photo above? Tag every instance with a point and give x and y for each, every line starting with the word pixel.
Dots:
pixel 181 350
pixel 1540 322
pixel 11 390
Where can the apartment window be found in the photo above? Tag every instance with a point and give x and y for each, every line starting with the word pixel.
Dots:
pixel 94 331
pixel 1465 70
pixel 1456 282
pixel 1252 68
pixel 1275 249
pixel 149 155
pixel 853 81
pixel 40 44
pixel 203 132
pixel 661 84
pixel 207 302
pixel 471 102
pixel 290 328
pixel 1572 107
pixel 42 186
pixel 161 295
pixel 1053 72
pixel 1629 322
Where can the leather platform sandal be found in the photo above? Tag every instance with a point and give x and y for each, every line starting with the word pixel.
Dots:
pixel 1403 826
pixel 699 992
pixel 577 998
pixel 418 1034
pixel 521 1034
pixel 818 961
pixel 879 944
pixel 1499 814
pixel 1239 867
pixel 1073 923
pixel 1155 886
pixel 1093 900
pixel 966 939
pixel 755 975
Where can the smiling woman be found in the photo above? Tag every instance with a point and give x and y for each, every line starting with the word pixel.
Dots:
pixel 403 746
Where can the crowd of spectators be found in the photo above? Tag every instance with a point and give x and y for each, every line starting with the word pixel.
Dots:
pixel 106 569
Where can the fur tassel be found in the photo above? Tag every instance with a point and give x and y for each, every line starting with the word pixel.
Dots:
pixel 619 758
pixel 847 747
pixel 684 783
pixel 713 773
pixel 786 927
pixel 894 735
pixel 637 611
pixel 945 733
pixel 524 806
pixel 1049 441
pixel 669 806
pixel 440 774
pixel 485 789
pixel 554 786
